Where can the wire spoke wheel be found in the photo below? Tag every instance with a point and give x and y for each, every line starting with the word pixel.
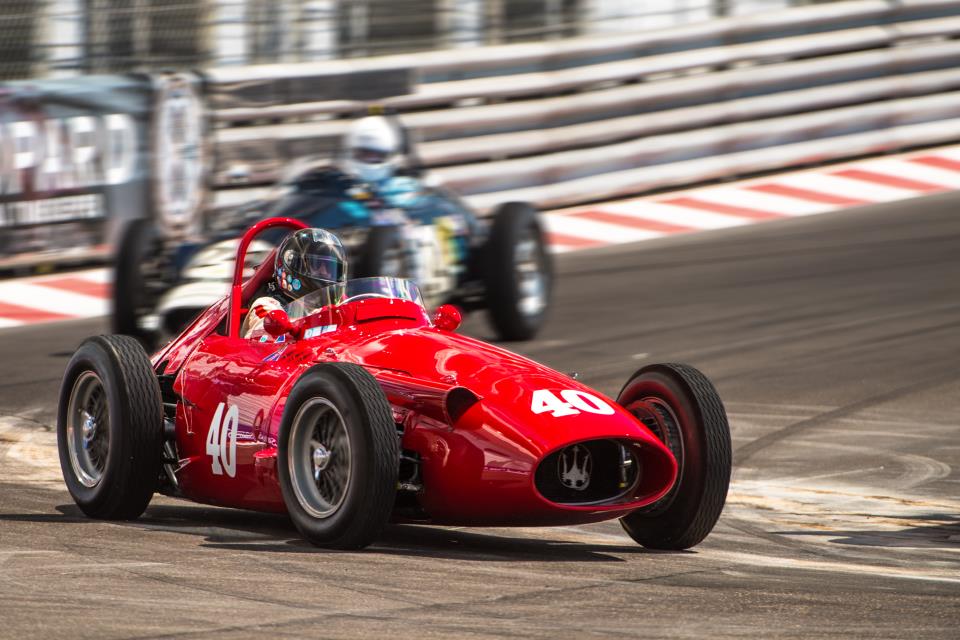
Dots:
pixel 88 429
pixel 110 428
pixel 659 417
pixel 338 456
pixel 319 458
pixel 530 280
pixel 680 406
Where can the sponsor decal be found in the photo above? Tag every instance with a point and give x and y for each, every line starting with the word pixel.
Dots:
pixel 179 184
pixel 48 155
pixel 43 157
pixel 320 330
pixel 273 357
pixel 41 212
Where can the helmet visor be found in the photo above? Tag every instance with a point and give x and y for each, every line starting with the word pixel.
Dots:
pixel 367 155
pixel 316 267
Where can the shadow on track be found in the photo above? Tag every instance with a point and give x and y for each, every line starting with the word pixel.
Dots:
pixel 937 536
pixel 237 530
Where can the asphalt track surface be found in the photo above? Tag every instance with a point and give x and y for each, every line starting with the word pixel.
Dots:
pixel 834 341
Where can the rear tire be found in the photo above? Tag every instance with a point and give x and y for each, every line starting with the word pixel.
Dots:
pixel 338 456
pixel 110 428
pixel 517 272
pixel 131 299
pixel 681 406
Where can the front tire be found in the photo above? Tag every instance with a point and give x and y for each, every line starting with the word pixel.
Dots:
pixel 517 272
pixel 681 406
pixel 110 428
pixel 338 456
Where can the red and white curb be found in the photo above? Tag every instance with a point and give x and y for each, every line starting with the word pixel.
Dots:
pixel 66 296
pixel 788 195
pixel 86 294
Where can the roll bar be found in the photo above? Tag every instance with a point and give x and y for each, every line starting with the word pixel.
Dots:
pixel 236 291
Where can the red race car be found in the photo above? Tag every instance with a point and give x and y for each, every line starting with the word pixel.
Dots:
pixel 357 407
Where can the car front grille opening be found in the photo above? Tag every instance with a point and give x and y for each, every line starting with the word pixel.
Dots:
pixel 592 472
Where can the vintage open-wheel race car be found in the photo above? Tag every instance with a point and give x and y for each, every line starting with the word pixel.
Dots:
pixel 355 407
pixel 498 263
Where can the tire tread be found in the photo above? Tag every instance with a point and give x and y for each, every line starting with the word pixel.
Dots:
pixel 131 484
pixel 717 452
pixel 509 221
pixel 379 503
pixel 358 526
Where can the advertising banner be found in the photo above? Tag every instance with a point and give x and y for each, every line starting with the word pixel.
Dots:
pixel 73 163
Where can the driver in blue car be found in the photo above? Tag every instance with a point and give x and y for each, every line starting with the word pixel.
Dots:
pixel 307 260
pixel 372 147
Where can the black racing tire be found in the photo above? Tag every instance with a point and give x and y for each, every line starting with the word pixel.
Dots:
pixel 516 313
pixel 130 287
pixel 349 393
pixel 382 254
pixel 113 476
pixel 683 409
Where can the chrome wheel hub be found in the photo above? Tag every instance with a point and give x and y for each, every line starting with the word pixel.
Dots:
pixel 89 429
pixel 319 458
pixel 529 279
pixel 88 432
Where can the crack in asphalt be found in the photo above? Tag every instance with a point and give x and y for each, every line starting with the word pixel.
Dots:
pixel 747 451
pixel 429 607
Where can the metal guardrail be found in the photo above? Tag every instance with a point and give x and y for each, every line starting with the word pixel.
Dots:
pixel 578 120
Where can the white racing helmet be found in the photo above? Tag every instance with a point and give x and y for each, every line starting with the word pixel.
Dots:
pixel 373 149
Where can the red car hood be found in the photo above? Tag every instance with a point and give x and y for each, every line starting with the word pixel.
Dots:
pixel 504 381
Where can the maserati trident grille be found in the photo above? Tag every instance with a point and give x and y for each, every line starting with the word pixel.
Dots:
pixel 592 472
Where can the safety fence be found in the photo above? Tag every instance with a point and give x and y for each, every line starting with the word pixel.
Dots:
pixel 593 118
pixel 43 37
pixel 555 123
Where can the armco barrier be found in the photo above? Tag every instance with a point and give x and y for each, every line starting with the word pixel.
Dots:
pixel 571 121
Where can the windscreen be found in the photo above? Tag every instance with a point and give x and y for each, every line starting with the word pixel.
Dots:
pixel 358 289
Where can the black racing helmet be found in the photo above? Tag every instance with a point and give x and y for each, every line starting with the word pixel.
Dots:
pixel 309 259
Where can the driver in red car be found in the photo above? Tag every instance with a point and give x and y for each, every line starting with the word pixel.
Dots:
pixel 307 260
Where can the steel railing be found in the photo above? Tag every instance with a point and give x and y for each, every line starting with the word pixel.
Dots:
pixel 559 123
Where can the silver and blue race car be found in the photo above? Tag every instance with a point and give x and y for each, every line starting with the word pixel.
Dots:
pixel 404 229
